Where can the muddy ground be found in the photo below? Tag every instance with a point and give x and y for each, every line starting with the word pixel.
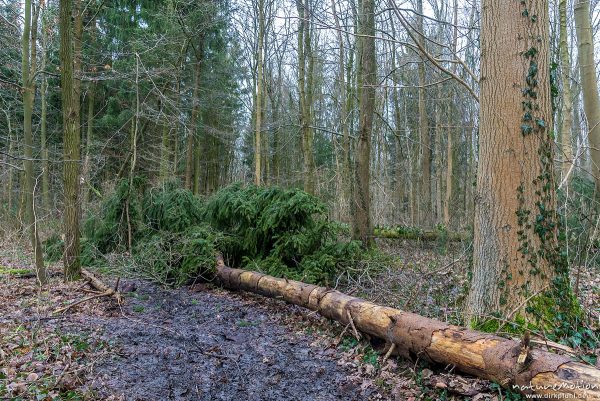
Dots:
pixel 210 345
pixel 185 344
pixel 205 343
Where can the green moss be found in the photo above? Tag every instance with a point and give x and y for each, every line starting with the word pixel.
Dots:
pixel 518 325
pixel 11 271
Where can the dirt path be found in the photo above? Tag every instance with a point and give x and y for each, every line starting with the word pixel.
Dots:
pixel 209 345
pixel 202 344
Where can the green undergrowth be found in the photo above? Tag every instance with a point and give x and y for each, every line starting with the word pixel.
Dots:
pixel 281 232
pixel 406 232
pixel 555 313
pixel 548 319
pixel 13 271
pixel 175 235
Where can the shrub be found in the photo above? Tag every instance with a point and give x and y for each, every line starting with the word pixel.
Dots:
pixel 120 215
pixel 282 232
pixel 54 247
pixel 178 258
pixel 175 236
pixel 172 209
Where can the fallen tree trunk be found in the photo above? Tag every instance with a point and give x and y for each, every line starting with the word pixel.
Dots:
pixel 104 291
pixel 425 236
pixel 100 286
pixel 483 355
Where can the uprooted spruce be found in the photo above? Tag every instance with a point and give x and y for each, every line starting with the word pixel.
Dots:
pixel 483 355
pixel 173 235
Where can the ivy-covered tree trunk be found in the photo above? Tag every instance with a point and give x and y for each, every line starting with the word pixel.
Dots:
pixel 362 229
pixel 515 226
pixel 71 260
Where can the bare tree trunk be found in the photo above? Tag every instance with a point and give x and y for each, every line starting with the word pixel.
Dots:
pixel 43 122
pixel 515 236
pixel 28 70
pixel 567 97
pixel 362 229
pixel 471 164
pixel 450 141
pixel 305 80
pixel 165 152
pixel 192 141
pixel 259 95
pixel 72 266
pixel 90 129
pixel 589 83
pixel 88 143
pixel 578 135
pixel 438 157
pixel 9 148
pixel 343 116
pixel 424 130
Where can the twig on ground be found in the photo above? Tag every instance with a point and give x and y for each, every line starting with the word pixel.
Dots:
pixel 389 353
pixel 356 333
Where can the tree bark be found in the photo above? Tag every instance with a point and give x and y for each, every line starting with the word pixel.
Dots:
pixel 28 76
pixel 70 110
pixel 9 147
pixel 88 143
pixel 450 141
pixel 483 355
pixel 368 79
pixel 259 95
pixel 344 172
pixel 567 97
pixel 438 156
pixel 513 240
pixel 589 83
pixel 43 122
pixel 425 215
pixel 305 89
pixel 192 141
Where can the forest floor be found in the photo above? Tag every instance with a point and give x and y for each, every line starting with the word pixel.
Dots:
pixel 204 343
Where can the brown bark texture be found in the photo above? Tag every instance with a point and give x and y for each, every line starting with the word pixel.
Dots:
pixel 514 167
pixel 361 229
pixel 589 82
pixel 71 133
pixel 483 355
